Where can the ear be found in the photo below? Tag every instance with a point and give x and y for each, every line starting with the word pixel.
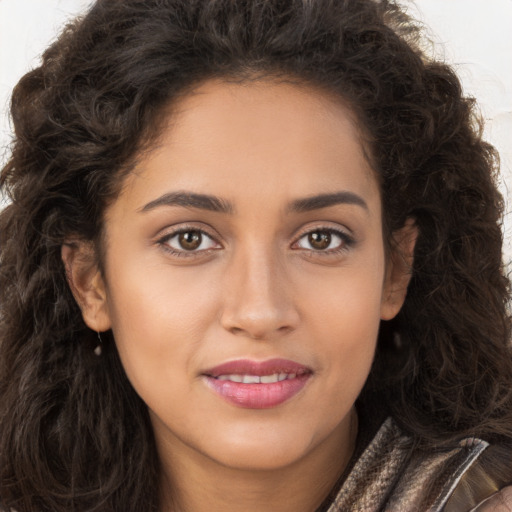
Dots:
pixel 86 283
pixel 398 270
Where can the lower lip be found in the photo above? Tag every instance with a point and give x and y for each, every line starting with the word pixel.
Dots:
pixel 258 396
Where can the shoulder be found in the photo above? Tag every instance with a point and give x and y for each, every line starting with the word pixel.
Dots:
pixel 500 501
pixel 487 485
pixel 392 474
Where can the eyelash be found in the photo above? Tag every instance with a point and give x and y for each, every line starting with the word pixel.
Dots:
pixel 183 253
pixel 346 242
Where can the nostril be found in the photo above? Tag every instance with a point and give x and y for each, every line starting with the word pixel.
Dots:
pixel 261 313
pixel 257 334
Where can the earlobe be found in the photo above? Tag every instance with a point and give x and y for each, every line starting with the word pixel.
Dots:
pixel 399 270
pixel 86 284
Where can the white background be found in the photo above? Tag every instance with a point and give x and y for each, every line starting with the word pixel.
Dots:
pixel 474 35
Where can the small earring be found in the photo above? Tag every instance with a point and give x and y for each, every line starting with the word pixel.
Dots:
pixel 97 350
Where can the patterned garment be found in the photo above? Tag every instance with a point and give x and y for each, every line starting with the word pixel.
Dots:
pixel 390 477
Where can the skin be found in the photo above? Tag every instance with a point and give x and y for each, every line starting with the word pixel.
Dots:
pixel 256 288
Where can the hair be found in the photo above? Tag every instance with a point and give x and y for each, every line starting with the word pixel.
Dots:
pixel 74 435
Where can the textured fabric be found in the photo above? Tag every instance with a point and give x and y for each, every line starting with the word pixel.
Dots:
pixel 390 477
pixel 500 501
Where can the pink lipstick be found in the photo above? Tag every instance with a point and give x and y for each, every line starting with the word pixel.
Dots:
pixel 257 385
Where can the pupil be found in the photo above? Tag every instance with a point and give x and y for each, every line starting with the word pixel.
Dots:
pixel 320 239
pixel 190 240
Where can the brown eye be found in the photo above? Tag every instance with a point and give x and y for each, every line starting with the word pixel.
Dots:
pixel 320 240
pixel 324 240
pixel 190 240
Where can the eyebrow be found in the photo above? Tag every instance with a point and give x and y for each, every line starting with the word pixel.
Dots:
pixel 190 200
pixel 325 200
pixel 217 204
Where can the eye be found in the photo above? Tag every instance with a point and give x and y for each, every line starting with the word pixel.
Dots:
pixel 324 240
pixel 188 240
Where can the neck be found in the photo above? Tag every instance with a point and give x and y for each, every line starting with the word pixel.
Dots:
pixel 194 483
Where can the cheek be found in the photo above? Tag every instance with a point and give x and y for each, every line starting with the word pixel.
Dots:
pixel 158 319
pixel 158 296
pixel 343 315
pixel 347 336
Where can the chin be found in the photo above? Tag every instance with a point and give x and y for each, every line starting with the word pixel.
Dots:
pixel 265 448
pixel 260 456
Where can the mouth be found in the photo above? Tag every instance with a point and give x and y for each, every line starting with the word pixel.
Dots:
pixel 257 379
pixel 257 385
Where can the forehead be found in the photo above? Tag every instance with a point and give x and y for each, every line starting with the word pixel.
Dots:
pixel 259 137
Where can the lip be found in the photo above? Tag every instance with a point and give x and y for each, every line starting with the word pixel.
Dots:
pixel 259 395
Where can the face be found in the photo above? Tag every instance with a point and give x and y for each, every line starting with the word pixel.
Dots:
pixel 245 275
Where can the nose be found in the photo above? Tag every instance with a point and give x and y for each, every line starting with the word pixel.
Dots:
pixel 258 300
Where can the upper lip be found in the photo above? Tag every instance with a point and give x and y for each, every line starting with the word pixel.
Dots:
pixel 249 367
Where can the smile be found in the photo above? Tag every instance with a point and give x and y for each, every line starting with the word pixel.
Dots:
pixel 257 385
pixel 257 379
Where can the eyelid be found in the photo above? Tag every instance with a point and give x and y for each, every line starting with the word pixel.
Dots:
pixel 345 235
pixel 173 231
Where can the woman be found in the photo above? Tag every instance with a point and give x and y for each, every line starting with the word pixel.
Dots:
pixel 252 261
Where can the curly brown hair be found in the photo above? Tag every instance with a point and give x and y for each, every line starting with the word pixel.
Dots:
pixel 74 435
